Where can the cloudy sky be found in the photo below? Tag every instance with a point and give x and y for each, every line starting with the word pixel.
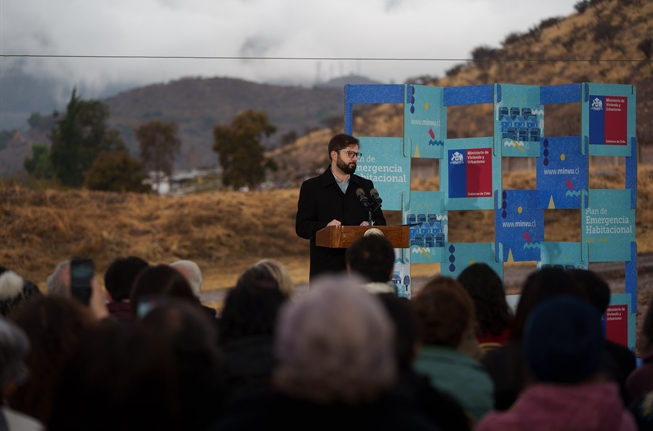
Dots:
pixel 335 30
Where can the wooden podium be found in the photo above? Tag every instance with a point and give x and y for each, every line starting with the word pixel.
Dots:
pixel 343 236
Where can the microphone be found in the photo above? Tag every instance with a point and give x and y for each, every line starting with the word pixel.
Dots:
pixel 376 200
pixel 361 197
pixel 374 193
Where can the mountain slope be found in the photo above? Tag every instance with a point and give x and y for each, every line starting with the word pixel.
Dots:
pixel 197 104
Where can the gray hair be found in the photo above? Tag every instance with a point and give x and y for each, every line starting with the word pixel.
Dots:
pixel 11 285
pixel 280 273
pixel 191 273
pixel 335 345
pixel 58 283
pixel 14 346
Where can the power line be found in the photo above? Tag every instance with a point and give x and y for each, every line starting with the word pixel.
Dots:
pixel 191 57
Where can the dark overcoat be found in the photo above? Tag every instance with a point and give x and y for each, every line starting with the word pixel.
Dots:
pixel 320 201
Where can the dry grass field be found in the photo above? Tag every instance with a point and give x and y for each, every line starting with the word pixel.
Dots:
pixel 226 232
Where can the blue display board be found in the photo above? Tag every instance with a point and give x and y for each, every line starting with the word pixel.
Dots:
pixel 388 167
pixel 471 174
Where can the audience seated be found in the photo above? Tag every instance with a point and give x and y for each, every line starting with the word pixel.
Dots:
pixel 493 314
pixel 442 409
pixel 14 290
pixel 445 314
pixel 118 281
pixel 340 356
pixel 618 361
pixel 53 325
pixel 191 271
pixel 335 367
pixel 280 273
pixel 373 258
pixel 14 346
pixel 506 364
pixel 562 345
pixel 247 331
pixel 192 339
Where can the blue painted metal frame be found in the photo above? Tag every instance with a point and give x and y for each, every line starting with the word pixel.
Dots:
pixel 369 94
pixel 480 94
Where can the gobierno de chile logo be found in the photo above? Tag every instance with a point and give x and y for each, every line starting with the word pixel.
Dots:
pixel 457 158
pixel 597 105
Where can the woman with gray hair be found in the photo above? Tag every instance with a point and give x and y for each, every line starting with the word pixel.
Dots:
pixel 14 347
pixel 336 362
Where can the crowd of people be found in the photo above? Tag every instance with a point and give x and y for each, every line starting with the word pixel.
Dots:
pixel 145 353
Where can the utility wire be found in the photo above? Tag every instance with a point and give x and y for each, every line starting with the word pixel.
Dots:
pixel 190 57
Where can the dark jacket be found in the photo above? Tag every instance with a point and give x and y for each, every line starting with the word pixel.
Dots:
pixel 277 411
pixel 320 201
pixel 442 409
pixel 249 362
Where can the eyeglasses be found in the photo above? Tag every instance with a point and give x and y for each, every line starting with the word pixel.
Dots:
pixel 353 154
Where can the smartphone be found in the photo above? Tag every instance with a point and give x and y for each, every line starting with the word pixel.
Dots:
pixel 82 272
pixel 147 304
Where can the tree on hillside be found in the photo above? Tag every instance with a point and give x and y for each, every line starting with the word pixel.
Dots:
pixel 116 172
pixel 39 165
pixel 159 143
pixel 240 150
pixel 78 137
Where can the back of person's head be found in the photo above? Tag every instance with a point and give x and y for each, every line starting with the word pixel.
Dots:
pixel 539 286
pixel 161 281
pixel 341 141
pixel 595 288
pixel 14 346
pixel 192 272
pixel 53 325
pixel 444 312
pixel 335 345
pixel 280 273
pixel 120 377
pixel 14 290
pixel 258 275
pixel 120 275
pixel 406 331
pixel 191 337
pixel 563 340
pixel 373 257
pixel 184 328
pixel 58 283
pixel 485 287
pixel 251 308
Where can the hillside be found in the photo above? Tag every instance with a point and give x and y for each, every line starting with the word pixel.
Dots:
pixel 610 42
pixel 197 104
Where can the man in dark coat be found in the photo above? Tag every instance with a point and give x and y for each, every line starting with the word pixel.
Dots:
pixel 330 200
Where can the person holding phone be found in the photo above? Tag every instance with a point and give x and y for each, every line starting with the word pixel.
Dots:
pixel 76 279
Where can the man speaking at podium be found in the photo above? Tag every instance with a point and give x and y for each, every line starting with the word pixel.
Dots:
pixel 333 199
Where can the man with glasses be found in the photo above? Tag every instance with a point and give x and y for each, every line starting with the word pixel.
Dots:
pixel 330 200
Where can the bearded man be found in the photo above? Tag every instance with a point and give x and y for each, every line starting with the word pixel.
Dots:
pixel 330 199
